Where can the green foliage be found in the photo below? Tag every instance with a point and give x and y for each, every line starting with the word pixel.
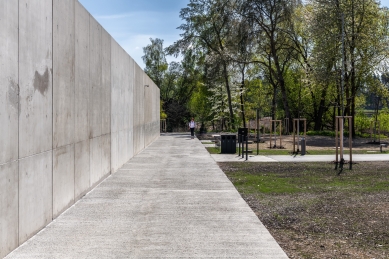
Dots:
pixel 155 60
pixel 177 82
pixel 383 118
pixel 281 57
pixel 162 114
pixel 362 122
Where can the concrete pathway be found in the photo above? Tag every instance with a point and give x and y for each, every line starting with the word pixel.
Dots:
pixel 297 158
pixel 169 201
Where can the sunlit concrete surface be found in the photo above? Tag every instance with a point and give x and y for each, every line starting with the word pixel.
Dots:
pixel 169 201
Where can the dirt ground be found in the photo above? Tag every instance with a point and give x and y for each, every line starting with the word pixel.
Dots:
pixel 312 143
pixel 319 143
pixel 336 223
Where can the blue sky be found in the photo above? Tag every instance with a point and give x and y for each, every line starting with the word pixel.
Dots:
pixel 385 3
pixel 133 22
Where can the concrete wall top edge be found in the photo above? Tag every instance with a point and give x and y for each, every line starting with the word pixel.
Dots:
pixel 114 40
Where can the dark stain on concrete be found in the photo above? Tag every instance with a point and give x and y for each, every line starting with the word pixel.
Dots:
pixel 13 94
pixel 41 82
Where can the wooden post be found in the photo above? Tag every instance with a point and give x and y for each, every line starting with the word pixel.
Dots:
pixel 286 126
pixel 336 142
pixel 273 124
pixel 280 134
pixel 294 136
pixel 257 121
pixel 350 141
pixel 339 123
pixel 296 127
pixel 271 129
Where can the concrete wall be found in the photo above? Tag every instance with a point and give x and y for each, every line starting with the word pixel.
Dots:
pixel 9 109
pixel 73 109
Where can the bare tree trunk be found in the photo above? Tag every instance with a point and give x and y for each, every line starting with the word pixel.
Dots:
pixel 241 98
pixel 232 122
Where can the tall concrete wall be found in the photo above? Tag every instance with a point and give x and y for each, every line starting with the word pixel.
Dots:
pixel 9 113
pixel 73 109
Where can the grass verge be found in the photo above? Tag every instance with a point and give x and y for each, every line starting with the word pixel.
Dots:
pixel 313 213
pixel 270 152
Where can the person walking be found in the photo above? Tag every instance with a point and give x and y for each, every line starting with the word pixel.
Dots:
pixel 192 126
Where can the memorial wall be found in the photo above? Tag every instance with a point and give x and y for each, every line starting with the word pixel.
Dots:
pixel 74 107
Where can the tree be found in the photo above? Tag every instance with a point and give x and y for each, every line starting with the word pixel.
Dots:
pixel 208 27
pixel 155 61
pixel 271 19
pixel 365 30
pixel 241 54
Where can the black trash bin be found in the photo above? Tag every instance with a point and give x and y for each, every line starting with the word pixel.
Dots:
pixel 228 144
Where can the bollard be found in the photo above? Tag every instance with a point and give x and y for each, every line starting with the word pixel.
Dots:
pixel 247 148
pixel 303 146
pixel 242 146
pixel 239 140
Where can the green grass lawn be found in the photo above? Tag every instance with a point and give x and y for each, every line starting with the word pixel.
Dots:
pixel 290 178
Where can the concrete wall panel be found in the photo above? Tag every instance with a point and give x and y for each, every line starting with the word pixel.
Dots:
pixel 35 77
pixel 115 85
pixel 142 109
pixel 106 83
pixel 81 73
pixel 63 179
pixel 138 109
pixel 106 154
pixel 9 192
pixel 127 105
pixel 63 72
pixel 135 137
pixel 136 97
pixel 147 100
pixel 95 161
pixel 81 169
pixel 130 101
pixel 95 75
pixel 116 55
pixel 123 78
pixel 123 147
pixel 35 194
pixel 114 151
pixel 9 90
pixel 130 146
pixel 147 110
